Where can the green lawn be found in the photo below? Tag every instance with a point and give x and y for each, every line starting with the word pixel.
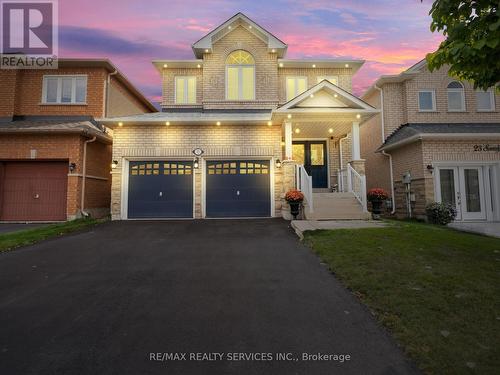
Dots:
pixel 9 241
pixel 435 289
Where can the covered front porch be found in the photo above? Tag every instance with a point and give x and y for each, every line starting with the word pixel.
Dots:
pixel 321 144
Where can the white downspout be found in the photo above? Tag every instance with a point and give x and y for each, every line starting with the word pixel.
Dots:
pixel 84 176
pixel 383 152
pixel 340 181
pixel 108 83
pixel 340 151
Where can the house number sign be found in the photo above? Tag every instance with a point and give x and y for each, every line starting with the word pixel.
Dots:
pixel 486 148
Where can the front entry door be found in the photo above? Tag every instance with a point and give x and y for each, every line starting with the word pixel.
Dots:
pixel 464 188
pixel 312 154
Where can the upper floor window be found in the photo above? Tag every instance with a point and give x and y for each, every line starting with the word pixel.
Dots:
pixel 185 90
pixel 426 101
pixel 456 97
pixel 485 100
pixel 63 89
pixel 295 86
pixel 331 79
pixel 240 76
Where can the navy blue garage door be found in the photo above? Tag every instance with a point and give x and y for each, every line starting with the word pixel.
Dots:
pixel 160 189
pixel 238 188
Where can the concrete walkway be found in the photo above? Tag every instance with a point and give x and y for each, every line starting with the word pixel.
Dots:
pixel 300 226
pixel 486 229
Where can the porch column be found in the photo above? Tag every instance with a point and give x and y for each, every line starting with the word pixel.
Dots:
pixel 356 154
pixel 288 140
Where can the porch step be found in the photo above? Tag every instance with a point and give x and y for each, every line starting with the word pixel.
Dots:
pixel 336 206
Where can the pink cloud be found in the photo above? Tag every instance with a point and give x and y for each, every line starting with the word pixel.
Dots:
pixel 390 35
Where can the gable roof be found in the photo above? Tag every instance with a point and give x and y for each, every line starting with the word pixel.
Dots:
pixel 412 132
pixel 351 102
pixel 239 19
pixel 111 68
pixel 396 78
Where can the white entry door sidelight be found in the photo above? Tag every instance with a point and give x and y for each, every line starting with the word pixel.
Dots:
pixel 465 188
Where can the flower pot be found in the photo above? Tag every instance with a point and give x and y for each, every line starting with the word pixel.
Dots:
pixel 376 209
pixel 294 209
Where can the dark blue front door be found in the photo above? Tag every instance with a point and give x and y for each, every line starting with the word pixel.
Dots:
pixel 238 188
pixel 312 154
pixel 160 189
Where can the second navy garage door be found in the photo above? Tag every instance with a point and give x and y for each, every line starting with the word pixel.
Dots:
pixel 238 188
pixel 160 189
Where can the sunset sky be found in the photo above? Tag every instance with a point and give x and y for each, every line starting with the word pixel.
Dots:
pixel 390 35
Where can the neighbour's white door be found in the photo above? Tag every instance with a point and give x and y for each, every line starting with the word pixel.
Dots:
pixel 472 193
pixel 464 188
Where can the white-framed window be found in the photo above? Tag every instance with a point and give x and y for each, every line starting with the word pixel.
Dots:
pixel 426 100
pixel 185 90
pixel 64 89
pixel 485 100
pixel 295 86
pixel 331 79
pixel 240 76
pixel 456 97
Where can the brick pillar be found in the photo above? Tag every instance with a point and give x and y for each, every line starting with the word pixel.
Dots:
pixel 358 166
pixel 288 183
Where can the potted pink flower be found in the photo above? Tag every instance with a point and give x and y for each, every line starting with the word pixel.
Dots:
pixel 377 196
pixel 294 199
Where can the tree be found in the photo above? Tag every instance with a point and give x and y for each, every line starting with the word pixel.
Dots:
pixel 472 45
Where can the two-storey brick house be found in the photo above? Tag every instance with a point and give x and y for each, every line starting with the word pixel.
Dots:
pixel 436 139
pixel 240 125
pixel 55 159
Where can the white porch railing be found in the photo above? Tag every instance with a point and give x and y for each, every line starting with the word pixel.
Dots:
pixel 352 182
pixel 303 182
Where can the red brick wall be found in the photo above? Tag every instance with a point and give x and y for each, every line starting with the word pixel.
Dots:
pixel 7 92
pixel 29 93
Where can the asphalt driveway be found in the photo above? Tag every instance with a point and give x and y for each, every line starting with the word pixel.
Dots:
pixel 100 302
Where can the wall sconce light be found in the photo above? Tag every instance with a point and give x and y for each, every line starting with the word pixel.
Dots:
pixel 196 163
pixel 430 168
pixel 72 167
pixel 278 163
pixel 114 164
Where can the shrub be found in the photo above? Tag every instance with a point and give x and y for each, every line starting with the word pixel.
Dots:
pixel 440 213
pixel 294 196
pixel 377 194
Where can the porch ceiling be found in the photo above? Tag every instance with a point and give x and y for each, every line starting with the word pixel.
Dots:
pixel 321 129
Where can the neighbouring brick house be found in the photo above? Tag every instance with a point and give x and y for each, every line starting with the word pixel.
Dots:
pixel 441 134
pixel 240 125
pixel 49 139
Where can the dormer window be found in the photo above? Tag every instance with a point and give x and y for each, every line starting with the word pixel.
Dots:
pixel 240 76
pixel 456 97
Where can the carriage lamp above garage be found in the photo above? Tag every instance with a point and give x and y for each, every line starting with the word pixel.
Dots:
pixel 196 163
pixel 114 164
pixel 278 163
pixel 72 167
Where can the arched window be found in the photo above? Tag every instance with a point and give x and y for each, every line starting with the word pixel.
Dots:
pixel 240 76
pixel 456 97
